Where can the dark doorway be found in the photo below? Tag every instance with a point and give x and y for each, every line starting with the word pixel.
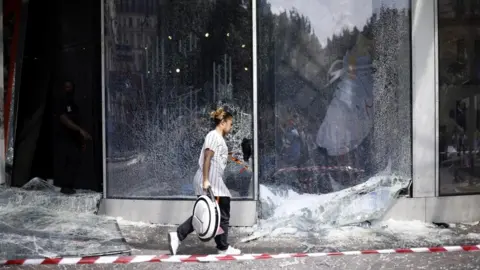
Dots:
pixel 62 42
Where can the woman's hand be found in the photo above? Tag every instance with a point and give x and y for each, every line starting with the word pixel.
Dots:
pixel 206 184
pixel 233 156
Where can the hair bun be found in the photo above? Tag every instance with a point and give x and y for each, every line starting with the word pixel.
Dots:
pixel 218 114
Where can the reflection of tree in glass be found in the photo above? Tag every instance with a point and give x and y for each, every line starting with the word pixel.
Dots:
pixel 293 79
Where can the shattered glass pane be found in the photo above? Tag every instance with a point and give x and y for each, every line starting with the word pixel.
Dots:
pixel 335 105
pixel 194 56
pixel 285 211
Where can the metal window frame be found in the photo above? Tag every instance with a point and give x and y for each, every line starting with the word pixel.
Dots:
pixel 437 100
pixel 255 101
pixel 103 102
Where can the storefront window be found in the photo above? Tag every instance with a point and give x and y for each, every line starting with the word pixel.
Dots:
pixel 334 92
pixel 159 94
pixel 459 97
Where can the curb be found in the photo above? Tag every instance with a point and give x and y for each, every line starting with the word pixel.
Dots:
pixel 219 258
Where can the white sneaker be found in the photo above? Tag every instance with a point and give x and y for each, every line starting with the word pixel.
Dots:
pixel 230 251
pixel 173 242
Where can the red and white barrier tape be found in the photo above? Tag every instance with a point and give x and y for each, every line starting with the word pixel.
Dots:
pixel 219 258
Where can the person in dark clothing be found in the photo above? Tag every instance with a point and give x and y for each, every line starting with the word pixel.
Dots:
pixel 461 115
pixel 246 149
pixel 70 139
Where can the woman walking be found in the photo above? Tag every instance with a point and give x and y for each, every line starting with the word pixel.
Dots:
pixel 212 163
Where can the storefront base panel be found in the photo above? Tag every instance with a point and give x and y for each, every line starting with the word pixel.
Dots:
pixel 243 213
pixel 452 209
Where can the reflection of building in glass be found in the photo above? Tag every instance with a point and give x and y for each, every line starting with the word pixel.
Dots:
pixel 136 23
pixel 132 45
pixel 460 40
pixel 199 56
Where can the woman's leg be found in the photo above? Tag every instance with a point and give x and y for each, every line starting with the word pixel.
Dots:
pixel 174 238
pixel 185 229
pixel 222 239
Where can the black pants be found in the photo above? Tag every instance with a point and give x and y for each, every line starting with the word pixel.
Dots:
pixel 221 240
pixel 67 162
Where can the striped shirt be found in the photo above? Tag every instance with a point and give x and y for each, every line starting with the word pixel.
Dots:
pixel 215 142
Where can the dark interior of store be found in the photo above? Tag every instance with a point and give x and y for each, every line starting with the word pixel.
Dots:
pixel 62 41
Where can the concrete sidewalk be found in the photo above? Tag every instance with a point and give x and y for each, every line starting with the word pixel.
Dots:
pixel 152 240
pixel 148 240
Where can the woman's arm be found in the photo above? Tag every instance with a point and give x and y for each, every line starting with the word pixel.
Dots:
pixel 206 167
